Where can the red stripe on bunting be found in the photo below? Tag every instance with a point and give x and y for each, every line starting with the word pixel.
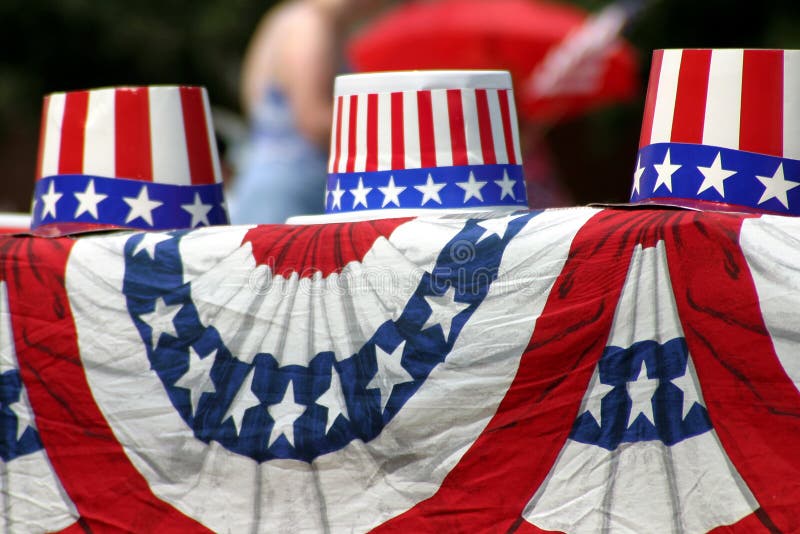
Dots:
pixel 458 136
pixel 372 132
pixel 690 99
pixel 198 145
pixel 485 127
pixel 427 142
pixel 505 113
pixel 650 100
pixel 338 143
pixel 73 132
pixel 351 134
pixel 752 403
pixel 42 136
pixel 398 134
pixel 108 492
pixel 761 126
pixel 134 158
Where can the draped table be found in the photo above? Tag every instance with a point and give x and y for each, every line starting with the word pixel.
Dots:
pixel 573 370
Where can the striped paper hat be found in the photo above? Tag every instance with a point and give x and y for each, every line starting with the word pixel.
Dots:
pixel 721 130
pixel 132 157
pixel 423 140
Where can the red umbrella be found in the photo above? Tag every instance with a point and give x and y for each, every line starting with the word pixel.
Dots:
pixel 563 62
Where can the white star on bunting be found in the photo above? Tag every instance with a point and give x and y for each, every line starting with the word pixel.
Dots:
pixel 88 201
pixel 242 401
pixel 506 186
pixel 637 176
pixel 472 187
pixel 665 171
pixel 49 200
pixel 430 191
pixel 197 378
pixel 198 211
pixel 776 186
pixel 22 411
pixel 443 309
pixel 148 243
pixel 360 194
pixel 391 193
pixel 337 196
pixel 495 226
pixel 641 391
pixel 141 206
pixel 333 400
pixel 594 399
pixel 161 320
pixel 284 414
pixel 390 372
pixel 689 389
pixel 715 176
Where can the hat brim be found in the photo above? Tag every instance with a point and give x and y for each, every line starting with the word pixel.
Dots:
pixel 686 204
pixel 369 215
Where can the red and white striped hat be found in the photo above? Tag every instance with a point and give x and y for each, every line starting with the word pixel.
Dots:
pixel 721 130
pixel 129 157
pixel 403 142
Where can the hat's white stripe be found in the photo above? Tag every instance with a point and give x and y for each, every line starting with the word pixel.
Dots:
pixel 724 100
pixel 791 104
pixel 512 112
pixel 472 130
pixel 665 98
pixel 384 131
pixel 212 138
pixel 99 148
pixel 168 137
pixel 411 129
pixel 361 133
pixel 498 138
pixel 332 153
pixel 52 133
pixel 344 141
pixel 441 128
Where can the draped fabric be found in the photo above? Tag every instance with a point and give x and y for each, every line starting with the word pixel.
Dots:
pixel 574 370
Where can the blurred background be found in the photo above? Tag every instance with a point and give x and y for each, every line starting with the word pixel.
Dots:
pixel 55 45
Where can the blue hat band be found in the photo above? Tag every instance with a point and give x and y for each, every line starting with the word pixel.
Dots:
pixel 469 186
pixel 95 201
pixel 715 174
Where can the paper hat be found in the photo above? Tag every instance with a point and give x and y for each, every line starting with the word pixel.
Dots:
pixel 721 131
pixel 132 157
pixel 405 143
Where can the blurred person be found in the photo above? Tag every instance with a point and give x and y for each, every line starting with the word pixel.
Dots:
pixel 286 87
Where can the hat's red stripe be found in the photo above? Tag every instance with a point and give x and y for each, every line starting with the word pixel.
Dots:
pixel 351 134
pixel 485 127
pixel 761 127
pixel 398 136
pixel 134 158
pixel 458 138
pixel 690 99
pixel 650 101
pixel 198 144
pixel 337 150
pixel 504 95
pixel 73 129
pixel 427 142
pixel 42 136
pixel 372 133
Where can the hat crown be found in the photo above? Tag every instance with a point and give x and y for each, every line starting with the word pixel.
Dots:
pixel 424 140
pixel 102 149
pixel 722 126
